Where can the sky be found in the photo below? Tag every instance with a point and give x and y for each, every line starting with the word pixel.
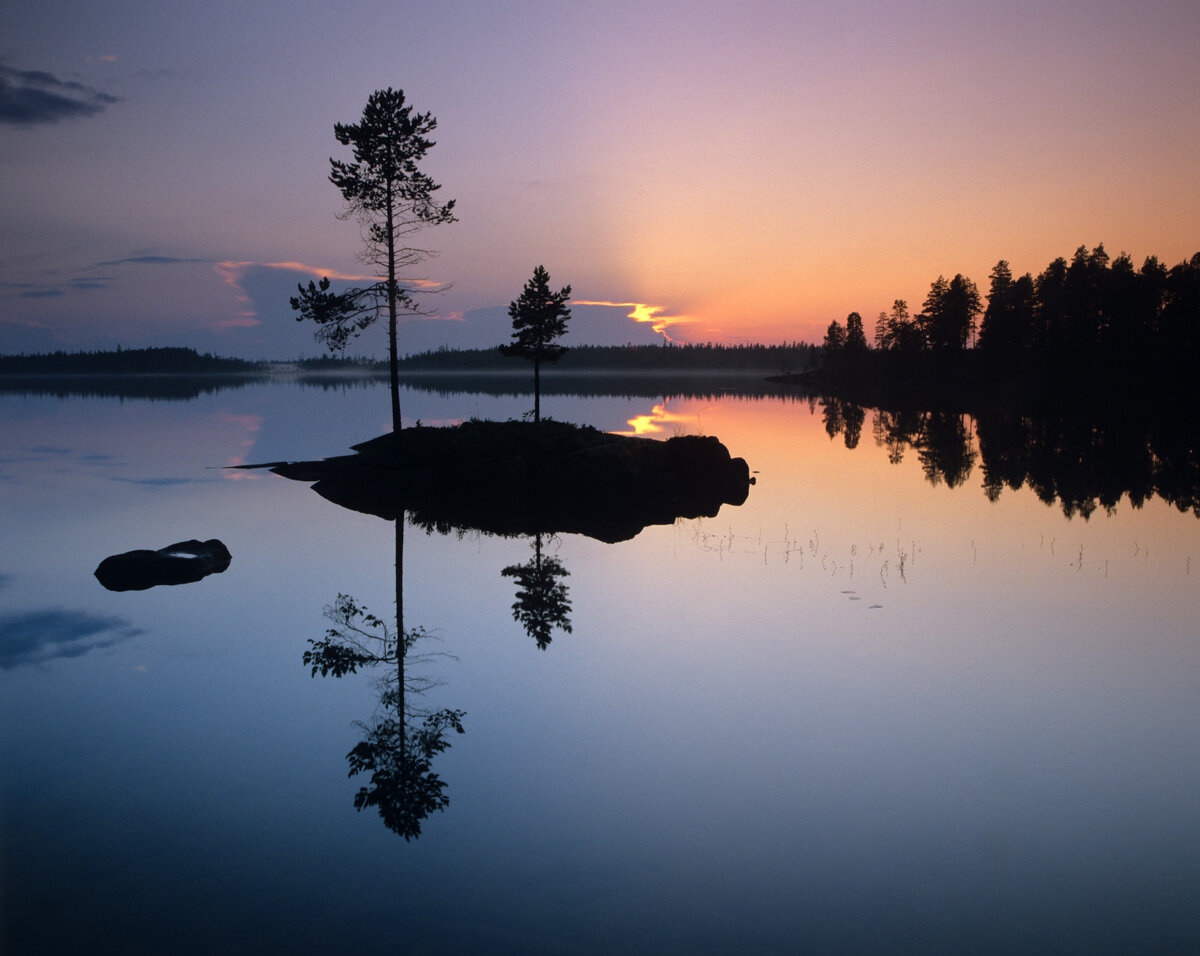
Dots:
pixel 704 171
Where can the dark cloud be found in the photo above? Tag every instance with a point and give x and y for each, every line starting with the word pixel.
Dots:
pixel 149 261
pixel 30 97
pixel 41 294
pixel 34 637
pixel 5 580
pixel 158 482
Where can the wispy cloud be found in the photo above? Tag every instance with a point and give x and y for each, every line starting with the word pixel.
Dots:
pixel 33 97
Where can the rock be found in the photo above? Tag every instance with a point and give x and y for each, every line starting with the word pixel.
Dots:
pixel 524 478
pixel 180 563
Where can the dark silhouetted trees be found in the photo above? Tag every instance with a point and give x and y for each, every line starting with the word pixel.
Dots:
pixel 835 342
pixel 391 198
pixel 1080 325
pixel 901 331
pixel 541 601
pixel 539 317
pixel 856 336
pixel 1007 331
pixel 846 343
pixel 948 317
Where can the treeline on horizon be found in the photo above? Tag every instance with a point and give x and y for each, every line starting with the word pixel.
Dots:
pixel 165 360
pixel 1093 318
pixel 626 358
pixel 598 358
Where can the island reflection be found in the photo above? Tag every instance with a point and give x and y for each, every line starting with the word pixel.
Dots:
pixel 622 485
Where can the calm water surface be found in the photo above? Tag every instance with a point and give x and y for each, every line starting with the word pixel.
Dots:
pixel 859 713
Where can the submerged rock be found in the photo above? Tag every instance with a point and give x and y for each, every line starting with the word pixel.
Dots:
pixel 524 478
pixel 180 563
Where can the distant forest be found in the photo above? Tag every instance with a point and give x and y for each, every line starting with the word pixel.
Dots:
pixel 124 362
pixel 760 359
pixel 1090 321
pixel 627 358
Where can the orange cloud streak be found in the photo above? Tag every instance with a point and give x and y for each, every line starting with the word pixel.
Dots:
pixel 644 313
pixel 233 272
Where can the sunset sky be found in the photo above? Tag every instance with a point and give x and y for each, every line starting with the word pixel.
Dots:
pixel 733 171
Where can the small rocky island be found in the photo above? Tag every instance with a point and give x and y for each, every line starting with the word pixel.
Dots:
pixel 521 478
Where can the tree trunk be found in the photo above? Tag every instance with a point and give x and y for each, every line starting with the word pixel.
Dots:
pixel 400 648
pixel 537 391
pixel 393 361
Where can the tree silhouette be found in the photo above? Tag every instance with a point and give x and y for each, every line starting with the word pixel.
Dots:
pixel 903 332
pixel 835 342
pixel 1008 322
pixel 539 317
pixel 948 316
pixel 856 336
pixel 391 198
pixel 542 602
pixel 398 746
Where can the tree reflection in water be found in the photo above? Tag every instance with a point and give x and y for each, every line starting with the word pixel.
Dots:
pixel 400 742
pixel 1080 461
pixel 541 601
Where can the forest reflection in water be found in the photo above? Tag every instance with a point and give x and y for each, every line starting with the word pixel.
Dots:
pixel 1082 462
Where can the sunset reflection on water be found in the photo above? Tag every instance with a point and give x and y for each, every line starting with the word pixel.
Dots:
pixel 656 421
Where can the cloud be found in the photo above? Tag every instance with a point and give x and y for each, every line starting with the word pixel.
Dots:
pixel 238 275
pixel 30 97
pixel 35 637
pixel 158 482
pixel 149 261
pixel 41 294
pixel 649 314
pixel 490 326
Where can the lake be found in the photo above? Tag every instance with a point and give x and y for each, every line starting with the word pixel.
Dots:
pixel 875 708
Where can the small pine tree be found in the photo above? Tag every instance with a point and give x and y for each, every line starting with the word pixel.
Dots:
pixel 539 317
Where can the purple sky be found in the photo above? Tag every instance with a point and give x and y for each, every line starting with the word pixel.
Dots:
pixel 749 170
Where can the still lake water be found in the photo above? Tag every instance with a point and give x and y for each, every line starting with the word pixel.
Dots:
pixel 859 713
